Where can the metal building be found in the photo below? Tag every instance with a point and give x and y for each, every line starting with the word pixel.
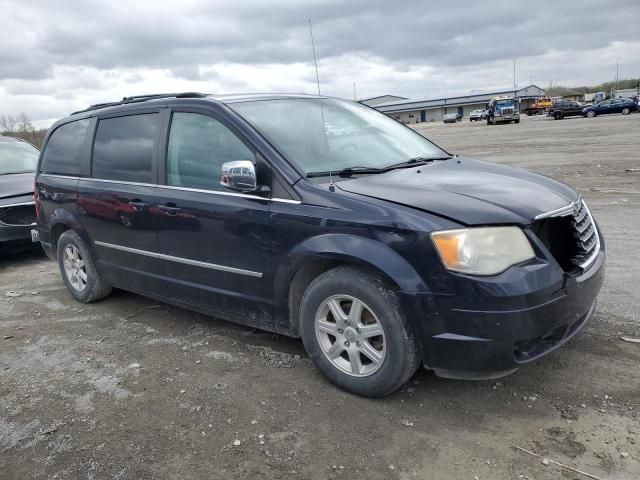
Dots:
pixel 416 111
pixel 373 101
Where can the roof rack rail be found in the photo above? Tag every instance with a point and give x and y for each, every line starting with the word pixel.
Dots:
pixel 142 98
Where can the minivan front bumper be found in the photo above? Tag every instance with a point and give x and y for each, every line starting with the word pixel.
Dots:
pixel 504 324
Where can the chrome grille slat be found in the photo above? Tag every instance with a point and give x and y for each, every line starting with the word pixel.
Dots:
pixel 581 229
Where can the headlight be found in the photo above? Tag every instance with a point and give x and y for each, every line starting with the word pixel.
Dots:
pixel 483 250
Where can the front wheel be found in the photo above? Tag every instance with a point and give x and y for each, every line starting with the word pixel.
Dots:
pixel 626 111
pixel 557 116
pixel 591 114
pixel 78 269
pixel 356 333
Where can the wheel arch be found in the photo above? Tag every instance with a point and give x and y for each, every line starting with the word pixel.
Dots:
pixel 62 220
pixel 319 254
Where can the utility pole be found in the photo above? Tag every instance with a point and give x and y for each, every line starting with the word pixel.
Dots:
pixel 515 84
pixel 354 91
pixel 617 73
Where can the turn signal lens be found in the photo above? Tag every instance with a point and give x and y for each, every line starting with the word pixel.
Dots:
pixel 483 250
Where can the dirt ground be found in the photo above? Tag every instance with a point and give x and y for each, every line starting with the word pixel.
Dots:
pixel 131 389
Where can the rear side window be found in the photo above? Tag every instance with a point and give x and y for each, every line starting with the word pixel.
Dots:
pixel 123 148
pixel 198 146
pixel 63 153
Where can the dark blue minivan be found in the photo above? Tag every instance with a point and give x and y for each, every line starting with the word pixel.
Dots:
pixel 323 219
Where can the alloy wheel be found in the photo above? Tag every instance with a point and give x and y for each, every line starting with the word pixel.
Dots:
pixel 350 335
pixel 74 267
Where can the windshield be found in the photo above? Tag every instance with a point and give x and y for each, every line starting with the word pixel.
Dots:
pixel 329 134
pixel 17 157
pixel 504 103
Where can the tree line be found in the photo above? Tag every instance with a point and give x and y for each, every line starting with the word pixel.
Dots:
pixel 556 90
pixel 21 126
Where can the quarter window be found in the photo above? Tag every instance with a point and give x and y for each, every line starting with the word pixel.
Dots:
pixel 63 153
pixel 123 148
pixel 198 146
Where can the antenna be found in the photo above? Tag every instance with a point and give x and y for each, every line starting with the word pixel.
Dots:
pixel 315 61
pixel 324 128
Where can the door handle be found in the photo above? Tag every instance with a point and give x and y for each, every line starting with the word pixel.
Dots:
pixel 169 209
pixel 138 205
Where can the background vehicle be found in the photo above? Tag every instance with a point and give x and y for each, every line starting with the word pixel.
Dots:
pixel 565 108
pixel 595 97
pixel 18 161
pixel 613 105
pixel 476 115
pixel 452 118
pixel 338 239
pixel 540 106
pixel 503 109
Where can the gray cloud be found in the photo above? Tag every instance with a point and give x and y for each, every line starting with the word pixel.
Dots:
pixel 191 39
pixel 444 34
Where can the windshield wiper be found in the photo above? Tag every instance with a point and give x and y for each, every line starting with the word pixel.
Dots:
pixel 347 172
pixel 412 162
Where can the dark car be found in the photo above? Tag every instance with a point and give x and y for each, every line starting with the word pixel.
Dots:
pixel 562 109
pixel 18 161
pixel 379 249
pixel 452 118
pixel 613 105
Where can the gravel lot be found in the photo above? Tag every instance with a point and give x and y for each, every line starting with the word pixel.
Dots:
pixel 129 388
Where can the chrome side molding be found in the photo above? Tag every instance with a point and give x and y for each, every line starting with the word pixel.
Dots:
pixel 185 261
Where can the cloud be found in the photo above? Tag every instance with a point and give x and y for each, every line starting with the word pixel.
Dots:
pixel 61 56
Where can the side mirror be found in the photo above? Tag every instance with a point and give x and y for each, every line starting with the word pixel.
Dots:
pixel 239 175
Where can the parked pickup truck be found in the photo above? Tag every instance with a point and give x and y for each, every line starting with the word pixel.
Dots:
pixel 562 109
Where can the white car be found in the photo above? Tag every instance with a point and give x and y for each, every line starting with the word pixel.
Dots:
pixel 476 115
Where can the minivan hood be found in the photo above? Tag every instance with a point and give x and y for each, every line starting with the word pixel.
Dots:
pixel 16 184
pixel 468 191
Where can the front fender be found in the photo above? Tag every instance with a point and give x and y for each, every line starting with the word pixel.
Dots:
pixel 353 249
pixel 343 248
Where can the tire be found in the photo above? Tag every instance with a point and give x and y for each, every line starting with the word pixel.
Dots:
pixel 591 114
pixel 126 220
pixel 557 116
pixel 517 121
pixel 396 348
pixel 87 289
pixel 626 111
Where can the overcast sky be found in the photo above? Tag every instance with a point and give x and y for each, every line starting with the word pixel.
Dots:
pixel 59 56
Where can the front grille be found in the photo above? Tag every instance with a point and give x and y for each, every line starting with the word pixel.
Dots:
pixel 584 231
pixel 507 111
pixel 18 214
pixel 570 237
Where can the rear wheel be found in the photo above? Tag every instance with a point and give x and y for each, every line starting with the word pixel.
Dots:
pixel 78 269
pixel 355 332
pixel 626 111
pixel 557 116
